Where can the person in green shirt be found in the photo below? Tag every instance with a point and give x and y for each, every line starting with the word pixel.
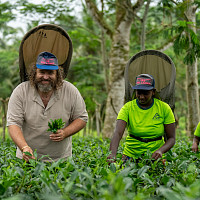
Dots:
pixel 146 119
pixel 196 139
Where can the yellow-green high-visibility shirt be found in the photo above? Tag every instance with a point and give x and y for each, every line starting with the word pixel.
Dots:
pixel 197 131
pixel 145 123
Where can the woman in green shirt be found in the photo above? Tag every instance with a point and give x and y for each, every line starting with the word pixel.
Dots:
pixel 196 139
pixel 146 119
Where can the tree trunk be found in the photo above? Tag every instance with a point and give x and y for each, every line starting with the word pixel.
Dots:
pixel 105 59
pixel 114 102
pixel 120 37
pixel 4 121
pixel 91 125
pixel 192 78
pixel 85 131
pixel 143 31
pixel 97 115
pixel 192 97
pixel 118 61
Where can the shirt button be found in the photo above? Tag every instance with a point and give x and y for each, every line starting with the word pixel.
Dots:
pixel 44 113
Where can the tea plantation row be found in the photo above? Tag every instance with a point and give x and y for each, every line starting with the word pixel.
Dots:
pixel 88 176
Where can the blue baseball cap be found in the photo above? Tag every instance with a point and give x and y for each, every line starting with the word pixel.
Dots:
pixel 144 82
pixel 46 60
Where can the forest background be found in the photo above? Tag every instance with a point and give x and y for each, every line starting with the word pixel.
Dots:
pixel 105 35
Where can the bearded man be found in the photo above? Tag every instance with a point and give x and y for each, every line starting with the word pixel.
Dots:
pixel 33 103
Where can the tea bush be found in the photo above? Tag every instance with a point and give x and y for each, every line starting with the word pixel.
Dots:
pixel 88 176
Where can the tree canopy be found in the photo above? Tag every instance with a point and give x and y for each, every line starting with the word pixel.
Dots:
pixel 99 57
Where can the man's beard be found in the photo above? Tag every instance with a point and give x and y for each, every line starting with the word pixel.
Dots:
pixel 45 87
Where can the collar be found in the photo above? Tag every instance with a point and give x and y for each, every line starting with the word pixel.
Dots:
pixel 54 97
pixel 146 108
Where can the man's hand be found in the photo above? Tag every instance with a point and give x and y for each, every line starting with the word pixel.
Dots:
pixel 58 136
pixel 157 154
pixel 195 147
pixel 27 157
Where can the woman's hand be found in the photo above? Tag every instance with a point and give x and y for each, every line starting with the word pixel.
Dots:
pixel 170 133
pixel 157 154
pixel 195 144
pixel 111 159
pixel 195 147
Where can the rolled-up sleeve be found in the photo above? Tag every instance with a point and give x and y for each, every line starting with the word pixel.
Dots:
pixel 15 113
pixel 79 108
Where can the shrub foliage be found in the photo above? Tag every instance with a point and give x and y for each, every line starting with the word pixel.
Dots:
pixel 88 176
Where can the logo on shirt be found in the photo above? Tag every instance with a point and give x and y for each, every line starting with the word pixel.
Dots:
pixel 156 116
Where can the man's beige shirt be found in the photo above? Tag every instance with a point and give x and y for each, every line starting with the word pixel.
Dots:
pixel 26 110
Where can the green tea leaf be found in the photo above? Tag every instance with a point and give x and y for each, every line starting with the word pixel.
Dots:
pixel 56 124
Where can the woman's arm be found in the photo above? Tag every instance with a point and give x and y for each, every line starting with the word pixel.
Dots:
pixel 170 133
pixel 118 133
pixel 195 144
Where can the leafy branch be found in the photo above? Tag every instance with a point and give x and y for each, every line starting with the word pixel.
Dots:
pixel 187 40
pixel 55 125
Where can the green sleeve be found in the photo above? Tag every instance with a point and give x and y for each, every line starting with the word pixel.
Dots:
pixel 123 113
pixel 169 116
pixel 197 131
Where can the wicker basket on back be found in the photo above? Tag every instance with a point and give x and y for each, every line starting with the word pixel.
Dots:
pixel 46 37
pixel 157 64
